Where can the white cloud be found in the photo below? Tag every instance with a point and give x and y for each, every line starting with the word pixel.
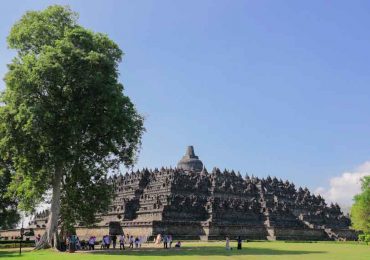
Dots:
pixel 343 188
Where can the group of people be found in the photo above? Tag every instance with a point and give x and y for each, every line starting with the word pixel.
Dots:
pixel 239 240
pixel 166 240
pixel 130 240
pixel 74 242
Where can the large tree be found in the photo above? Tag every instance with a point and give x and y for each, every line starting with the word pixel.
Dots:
pixel 64 120
pixel 360 211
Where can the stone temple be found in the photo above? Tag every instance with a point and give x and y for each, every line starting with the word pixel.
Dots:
pixel 191 203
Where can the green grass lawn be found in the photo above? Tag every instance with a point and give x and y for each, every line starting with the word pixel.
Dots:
pixel 213 250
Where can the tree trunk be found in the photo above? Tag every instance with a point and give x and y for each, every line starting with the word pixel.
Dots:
pixel 50 237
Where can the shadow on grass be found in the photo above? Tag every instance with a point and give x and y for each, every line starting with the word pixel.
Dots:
pixel 202 251
pixel 9 254
pixel 14 252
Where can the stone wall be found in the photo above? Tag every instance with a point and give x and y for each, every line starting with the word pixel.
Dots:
pixel 300 234
pixel 179 228
pixel 219 232
pixel 12 233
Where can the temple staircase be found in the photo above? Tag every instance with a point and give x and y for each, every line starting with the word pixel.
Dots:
pixel 331 234
pixel 270 230
pixel 306 223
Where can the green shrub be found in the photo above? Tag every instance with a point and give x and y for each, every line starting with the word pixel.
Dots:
pixel 364 238
pixel 367 238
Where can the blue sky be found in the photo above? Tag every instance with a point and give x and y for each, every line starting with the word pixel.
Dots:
pixel 264 87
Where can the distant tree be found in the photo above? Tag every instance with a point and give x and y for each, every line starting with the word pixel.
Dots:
pixel 64 120
pixel 9 216
pixel 360 211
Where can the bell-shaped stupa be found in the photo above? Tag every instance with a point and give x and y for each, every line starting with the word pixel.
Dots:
pixel 190 162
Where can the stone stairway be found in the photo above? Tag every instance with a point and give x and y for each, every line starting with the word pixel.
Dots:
pixel 307 224
pixel 270 230
pixel 331 234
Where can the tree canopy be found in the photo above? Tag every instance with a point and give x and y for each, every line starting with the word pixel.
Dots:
pixel 360 211
pixel 65 121
pixel 9 216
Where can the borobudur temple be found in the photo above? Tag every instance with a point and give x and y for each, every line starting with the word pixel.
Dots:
pixel 191 203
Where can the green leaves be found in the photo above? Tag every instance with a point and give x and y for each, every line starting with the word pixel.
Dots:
pixel 360 211
pixel 85 193
pixel 63 105
pixel 9 216
pixel 38 29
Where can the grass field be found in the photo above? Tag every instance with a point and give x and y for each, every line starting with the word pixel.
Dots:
pixel 212 250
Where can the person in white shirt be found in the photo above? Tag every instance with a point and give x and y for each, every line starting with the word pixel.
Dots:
pixel 132 240
pixel 159 239
pixel 122 242
pixel 170 240
pixel 227 243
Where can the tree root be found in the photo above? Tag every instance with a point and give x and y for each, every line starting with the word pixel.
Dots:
pixel 43 243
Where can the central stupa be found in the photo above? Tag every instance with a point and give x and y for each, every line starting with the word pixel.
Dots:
pixel 190 162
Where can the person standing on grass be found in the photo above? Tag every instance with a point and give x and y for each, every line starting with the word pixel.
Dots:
pixel 72 243
pixel 114 240
pixel 159 239
pixel 78 244
pixel 165 241
pixel 122 242
pixel 92 243
pixel 227 243
pixel 102 245
pixel 107 241
pixel 131 242
pixel 170 240
pixel 239 243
